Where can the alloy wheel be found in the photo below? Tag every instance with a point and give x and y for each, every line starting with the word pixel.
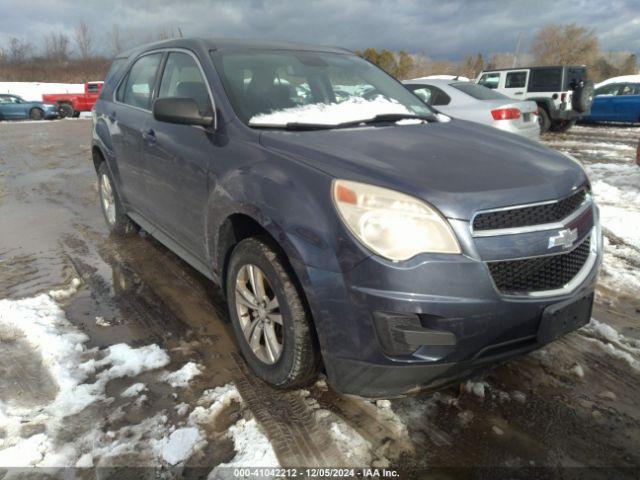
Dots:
pixel 108 199
pixel 259 314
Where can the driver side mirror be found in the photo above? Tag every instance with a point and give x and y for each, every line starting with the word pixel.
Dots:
pixel 183 111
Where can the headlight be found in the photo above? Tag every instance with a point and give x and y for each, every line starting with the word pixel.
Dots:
pixel 393 225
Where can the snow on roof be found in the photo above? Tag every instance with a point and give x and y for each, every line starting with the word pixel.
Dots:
pixel 443 77
pixel 623 78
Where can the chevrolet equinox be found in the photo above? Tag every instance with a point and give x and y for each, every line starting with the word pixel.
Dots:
pixel 352 227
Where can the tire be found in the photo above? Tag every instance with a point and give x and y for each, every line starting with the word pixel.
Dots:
pixel 36 114
pixel 117 220
pixel 296 363
pixel 543 120
pixel 562 125
pixel 582 97
pixel 66 110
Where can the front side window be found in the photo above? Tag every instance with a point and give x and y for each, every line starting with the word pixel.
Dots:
pixel 630 89
pixel 274 88
pixel 490 80
pixel 136 90
pixel 182 78
pixel 516 79
pixel 431 95
pixel 10 99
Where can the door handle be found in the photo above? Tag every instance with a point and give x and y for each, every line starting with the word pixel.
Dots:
pixel 149 136
pixel 518 93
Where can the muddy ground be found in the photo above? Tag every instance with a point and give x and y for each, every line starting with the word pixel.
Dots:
pixel 574 403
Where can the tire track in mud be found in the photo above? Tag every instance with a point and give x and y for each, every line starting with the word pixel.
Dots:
pixel 288 422
pixel 285 417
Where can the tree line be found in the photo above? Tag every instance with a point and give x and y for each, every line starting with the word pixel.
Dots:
pixel 552 45
pixel 74 59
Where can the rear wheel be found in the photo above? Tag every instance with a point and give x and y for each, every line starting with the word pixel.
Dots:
pixel 543 120
pixel 271 325
pixel 36 114
pixel 117 220
pixel 66 110
pixel 562 125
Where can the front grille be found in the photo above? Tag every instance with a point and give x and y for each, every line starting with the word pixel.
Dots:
pixel 526 216
pixel 540 273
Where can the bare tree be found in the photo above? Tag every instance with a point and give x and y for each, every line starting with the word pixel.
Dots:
pixel 501 60
pixel 115 40
pixel 56 47
pixel 565 44
pixel 18 50
pixel 83 40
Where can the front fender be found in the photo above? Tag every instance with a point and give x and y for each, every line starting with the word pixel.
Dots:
pixel 293 203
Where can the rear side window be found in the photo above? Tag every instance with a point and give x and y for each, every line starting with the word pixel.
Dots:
pixel 430 95
pixel 478 92
pixel 545 80
pixel 93 87
pixel 516 79
pixel 490 80
pixel 136 90
pixel 182 78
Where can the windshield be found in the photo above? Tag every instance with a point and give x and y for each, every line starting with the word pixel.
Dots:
pixel 478 91
pixel 276 88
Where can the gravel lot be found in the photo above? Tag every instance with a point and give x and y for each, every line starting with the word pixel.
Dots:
pixel 114 352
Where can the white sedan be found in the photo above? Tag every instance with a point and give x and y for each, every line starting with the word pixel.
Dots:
pixel 473 102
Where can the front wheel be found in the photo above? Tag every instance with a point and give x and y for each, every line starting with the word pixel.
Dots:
pixel 36 114
pixel 270 322
pixel 66 110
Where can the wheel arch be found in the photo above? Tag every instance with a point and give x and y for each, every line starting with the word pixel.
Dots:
pixel 240 226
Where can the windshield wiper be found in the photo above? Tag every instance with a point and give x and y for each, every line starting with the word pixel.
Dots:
pixel 382 118
pixel 388 118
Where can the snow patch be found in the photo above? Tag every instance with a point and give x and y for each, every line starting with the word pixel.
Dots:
pixel 253 448
pixel 134 390
pixel 66 292
pixel 352 109
pixel 179 445
pixel 181 378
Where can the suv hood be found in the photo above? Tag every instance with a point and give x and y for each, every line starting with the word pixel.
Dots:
pixel 459 167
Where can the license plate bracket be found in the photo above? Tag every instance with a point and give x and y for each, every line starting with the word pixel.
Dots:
pixel 562 318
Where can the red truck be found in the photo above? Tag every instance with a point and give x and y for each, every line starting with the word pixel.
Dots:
pixel 71 104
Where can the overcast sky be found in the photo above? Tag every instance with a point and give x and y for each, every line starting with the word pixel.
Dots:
pixel 437 28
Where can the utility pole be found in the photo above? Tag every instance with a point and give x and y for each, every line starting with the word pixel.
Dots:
pixel 517 54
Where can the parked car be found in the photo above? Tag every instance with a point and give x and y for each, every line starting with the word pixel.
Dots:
pixel 615 102
pixel 395 247
pixel 473 102
pixel 13 107
pixel 563 93
pixel 71 104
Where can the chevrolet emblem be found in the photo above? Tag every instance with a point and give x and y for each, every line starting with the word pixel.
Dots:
pixel 564 238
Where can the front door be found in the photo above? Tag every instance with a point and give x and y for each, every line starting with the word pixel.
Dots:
pixel 177 158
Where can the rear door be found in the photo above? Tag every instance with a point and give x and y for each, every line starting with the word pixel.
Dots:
pixel 127 115
pixel 515 83
pixel 177 157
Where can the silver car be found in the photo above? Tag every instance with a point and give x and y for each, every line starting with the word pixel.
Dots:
pixel 469 101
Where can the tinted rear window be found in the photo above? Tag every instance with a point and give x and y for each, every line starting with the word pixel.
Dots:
pixel 545 80
pixel 478 91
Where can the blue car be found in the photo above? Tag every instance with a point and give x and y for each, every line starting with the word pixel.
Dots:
pixel 13 107
pixel 616 102
pixel 371 236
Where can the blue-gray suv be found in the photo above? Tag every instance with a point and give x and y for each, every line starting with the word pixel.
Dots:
pixel 352 228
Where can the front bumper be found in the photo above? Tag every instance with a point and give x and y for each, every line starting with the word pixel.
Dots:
pixel 449 295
